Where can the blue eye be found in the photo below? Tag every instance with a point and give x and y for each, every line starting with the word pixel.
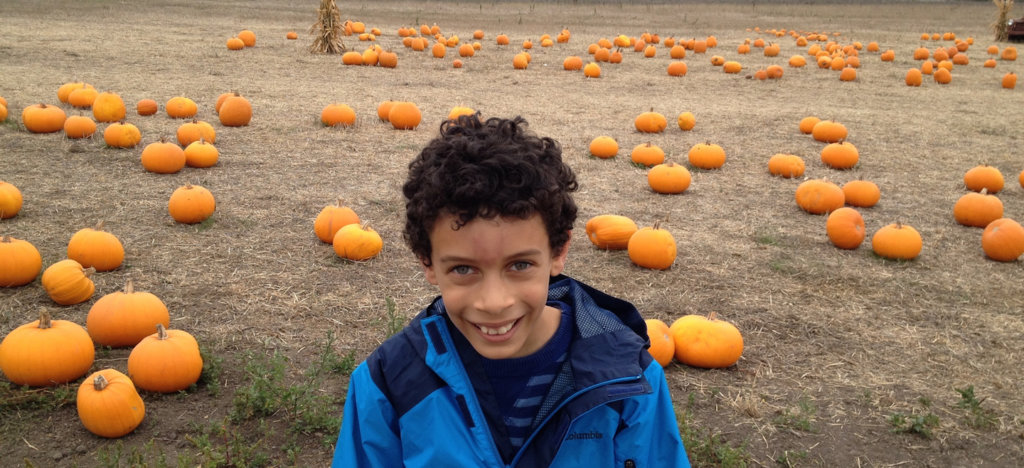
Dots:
pixel 520 266
pixel 461 270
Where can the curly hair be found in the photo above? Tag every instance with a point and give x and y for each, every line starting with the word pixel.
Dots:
pixel 487 170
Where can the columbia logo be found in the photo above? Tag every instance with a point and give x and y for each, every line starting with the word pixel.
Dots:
pixel 585 435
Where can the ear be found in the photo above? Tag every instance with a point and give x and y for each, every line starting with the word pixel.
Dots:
pixel 558 258
pixel 428 272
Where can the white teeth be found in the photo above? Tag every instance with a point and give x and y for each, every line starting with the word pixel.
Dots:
pixel 496 331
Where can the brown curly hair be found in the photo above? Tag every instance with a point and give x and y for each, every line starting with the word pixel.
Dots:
pixel 488 169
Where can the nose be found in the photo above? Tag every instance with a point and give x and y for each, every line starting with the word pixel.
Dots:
pixel 494 296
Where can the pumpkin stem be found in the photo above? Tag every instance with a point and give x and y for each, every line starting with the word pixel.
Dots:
pixel 341 202
pixel 44 320
pixel 129 287
pixel 6 239
pixel 99 226
pixel 984 191
pixel 161 332
pixel 100 382
pixel 89 271
pixel 713 315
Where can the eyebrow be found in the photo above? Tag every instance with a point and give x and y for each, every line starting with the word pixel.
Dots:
pixel 459 259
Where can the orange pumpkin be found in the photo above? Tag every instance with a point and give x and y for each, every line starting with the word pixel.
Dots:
pixel 337 114
pixel 123 318
pixel 647 154
pixel 669 178
pixel 67 283
pixel 190 204
pixel 807 124
pixel 404 115
pixel 840 155
pixel 43 118
pixel 984 177
pixel 706 156
pixel 166 361
pixel 652 247
pixel 897 241
pixel 829 131
pixel 861 193
pixel 977 209
pixel 236 111
pixel 1003 240
pixel 20 262
pixel 845 228
pixel 332 218
pixel 108 404
pixel 610 232
pixel 94 247
pixel 163 157
pixel 46 352
pixel 686 121
pixel 706 342
pixel 818 196
pixel 786 165
pixel 108 107
pixel 662 346
pixel 650 122
pixel 10 200
pixel 357 242
pixel 604 147
pixel 180 107
pixel 79 126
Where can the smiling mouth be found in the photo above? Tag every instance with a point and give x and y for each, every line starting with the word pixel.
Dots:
pixel 497 331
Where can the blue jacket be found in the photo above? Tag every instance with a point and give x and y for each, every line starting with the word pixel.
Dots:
pixel 414 401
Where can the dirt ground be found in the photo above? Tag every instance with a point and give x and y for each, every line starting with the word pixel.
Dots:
pixel 850 359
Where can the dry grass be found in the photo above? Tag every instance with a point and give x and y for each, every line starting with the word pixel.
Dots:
pixel 852 336
pixel 1001 26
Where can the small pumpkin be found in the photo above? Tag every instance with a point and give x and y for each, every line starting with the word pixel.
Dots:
pixel 819 196
pixel 861 193
pixel 336 114
pixel 732 67
pixel 913 77
pixel 10 200
pixel 592 70
pixel 383 109
pixel 234 43
pixel 195 130
pixel 191 204
pixel 984 177
pixel 166 361
pixel 248 37
pixel 108 404
pixel 68 283
pixel 604 147
pixel 1009 80
pixel 845 228
pixel 1003 240
pixel 357 242
pixel 706 156
pixel 706 342
pixel 572 63
pixel 942 76
pixel 20 262
pixel 669 178
pixel 332 218
pixel 662 346
pixel 840 155
pixel 686 121
pixel 786 165
pixel 122 135
pixel 977 209
pixel 897 241
pixel 46 352
pixel 108 107
pixel 387 59
pixel 807 124
pixel 94 247
pixel 291 35
pixel 610 232
pixel 652 247
pixel 404 115
pixel 201 154
pixel 79 126
pixel 43 118
pixel 829 131
pixel 123 318
pixel 180 107
pixel 650 122
pixel 163 157
pixel 236 111
pixel 647 154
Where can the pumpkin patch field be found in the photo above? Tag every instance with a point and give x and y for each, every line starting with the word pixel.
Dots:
pixel 839 187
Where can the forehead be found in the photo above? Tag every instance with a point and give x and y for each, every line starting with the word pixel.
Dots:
pixel 487 237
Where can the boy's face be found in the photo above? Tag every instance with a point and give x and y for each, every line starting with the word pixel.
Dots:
pixel 493 275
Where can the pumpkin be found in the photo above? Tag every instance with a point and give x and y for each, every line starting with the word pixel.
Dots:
pixel 94 247
pixel 108 107
pixel 650 122
pixel 383 109
pixel 819 196
pixel 357 242
pixel 180 107
pixel 840 155
pixel 807 124
pixel 611 232
pixel 668 178
pixel 248 37
pixel 652 247
pixel 732 67
pixel 332 218
pixel 404 115
pixel 1020 179
pixel 897 241
pixel 572 63
pixel 717 60
pixel 662 346
pixel 234 43
pixel 797 61
pixel 458 111
pixel 602 54
pixel 501 39
pixel 191 204
pixel 647 154
pixel 990 63
pixel 677 52
pixel 829 131
pixel 83 97
pixel 977 209
pixel 201 154
pixel 236 111
pixel 862 193
pixel 786 165
pixel 20 262
pixel 592 70
pixel 466 50
pixel 65 90
pixel 220 100
pixel 338 114
pixel 888 56
pixel 291 35
pixel 387 59
pixel 848 74
pixel 1003 240
pixel 122 135
pixel 67 282
pixel 913 77
pixel 984 177
pixel 195 130
pixel 845 228
pixel 79 126
pixel 921 53
pixel 942 76
pixel 456 63
pixel 1009 80
pixel 774 72
pixel 166 361
pixel 123 318
pixel 108 404
pixel 163 157
pixel 3 112
pixel 10 200
pixel 686 121
pixel 43 118
pixel 1009 53
pixel 706 342
pixel 46 352
pixel 706 156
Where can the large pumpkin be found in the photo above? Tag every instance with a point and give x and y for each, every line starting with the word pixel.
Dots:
pixel 669 178
pixel 163 157
pixel 122 135
pixel 818 196
pixel 10 200
pixel 42 118
pixel 652 247
pixel 357 242
pixel 332 218
pixel 46 352
pixel 404 115
pixel 20 262
pixel 190 204
pixel 108 107
pixel 123 318
pixel 706 342
pixel 94 247
pixel 610 232
pixel 845 228
pixel 1003 240
pixel 977 209
pixel 984 177
pixel 108 404
pixel 180 107
pixel 68 283
pixel 706 156
pixel 236 111
pixel 828 131
pixel 897 241
pixel 650 122
pixel 166 361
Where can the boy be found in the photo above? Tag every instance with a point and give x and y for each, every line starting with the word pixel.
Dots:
pixel 514 364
